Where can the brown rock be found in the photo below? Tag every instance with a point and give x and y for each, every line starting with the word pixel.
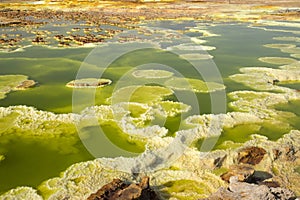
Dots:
pixel 218 162
pixel 272 184
pixel 247 191
pixel 107 190
pixel 133 191
pixel 144 184
pixel 120 190
pixel 147 192
pixel 243 172
pixel 282 193
pixel 251 155
pixel 276 153
pixel 7 21
pixel 287 153
pixel 223 194
pixel 25 84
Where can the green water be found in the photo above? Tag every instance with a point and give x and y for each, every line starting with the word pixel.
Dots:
pixel 241 46
pixel 294 107
pixel 31 160
pixel 240 134
pixel 295 85
pixel 118 138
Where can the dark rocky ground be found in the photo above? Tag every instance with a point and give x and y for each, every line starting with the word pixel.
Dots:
pixel 118 189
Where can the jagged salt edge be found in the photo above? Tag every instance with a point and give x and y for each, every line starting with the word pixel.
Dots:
pixel 96 179
pixel 278 23
pixel 125 162
pixel 174 111
pixel 22 193
pixel 37 117
pixel 261 106
pixel 261 78
pixel 152 159
pixel 127 125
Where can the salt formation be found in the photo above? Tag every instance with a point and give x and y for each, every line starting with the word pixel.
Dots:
pixel 261 104
pixel 171 109
pixel 265 27
pixel 194 85
pixel 281 158
pixel 35 122
pixel 168 149
pixel 285 48
pixel 209 121
pixel 10 83
pixel 296 55
pixel 205 33
pixel 267 79
pixel 22 193
pixel 196 56
pixel 82 179
pixel 198 41
pixel 278 60
pixel 152 74
pixel 290 39
pixel 295 50
pixel 89 83
pixel 280 46
pixel 140 94
pixel 271 91
pixel 173 163
pixel 191 47
pixel 103 113
pixel 293 66
pixel 278 23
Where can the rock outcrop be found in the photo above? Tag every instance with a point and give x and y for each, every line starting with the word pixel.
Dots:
pixel 118 189
pixel 242 172
pixel 25 84
pixel 248 191
pixel 251 155
pixel 246 183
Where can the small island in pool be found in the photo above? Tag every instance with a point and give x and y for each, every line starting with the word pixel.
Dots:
pixel 10 83
pixel 89 83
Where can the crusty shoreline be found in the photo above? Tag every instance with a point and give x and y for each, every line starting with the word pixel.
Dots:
pixel 136 12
